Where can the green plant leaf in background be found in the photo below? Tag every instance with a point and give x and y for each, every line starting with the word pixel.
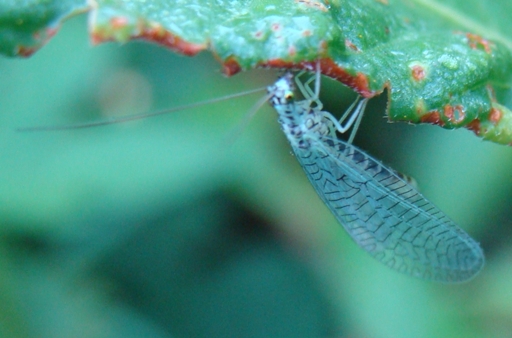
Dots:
pixel 439 65
pixel 156 229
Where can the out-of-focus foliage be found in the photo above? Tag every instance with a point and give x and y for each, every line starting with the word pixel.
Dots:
pixel 159 228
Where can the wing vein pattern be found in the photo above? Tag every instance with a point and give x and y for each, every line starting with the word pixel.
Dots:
pixel 380 209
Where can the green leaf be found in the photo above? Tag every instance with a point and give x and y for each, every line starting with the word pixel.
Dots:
pixel 26 25
pixel 438 64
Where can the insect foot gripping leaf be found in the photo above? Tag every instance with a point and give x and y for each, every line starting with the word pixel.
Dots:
pixel 384 213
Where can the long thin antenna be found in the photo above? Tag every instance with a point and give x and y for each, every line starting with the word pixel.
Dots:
pixel 138 116
pixel 235 133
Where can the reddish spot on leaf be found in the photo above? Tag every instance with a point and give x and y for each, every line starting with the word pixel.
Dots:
pixel 231 67
pixel 323 46
pixel 358 82
pixel 474 126
pixel 476 41
pixel 455 114
pixel 26 51
pixel 41 37
pixel 432 117
pixel 258 35
pixel 313 4
pixel 495 115
pixel 419 110
pixel 292 50
pixel 275 27
pixel 350 45
pixel 155 33
pixel 159 35
pixel 119 22
pixel 306 33
pixel 418 73
pixel 50 32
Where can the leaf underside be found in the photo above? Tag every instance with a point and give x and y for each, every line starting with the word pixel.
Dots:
pixel 25 26
pixel 438 64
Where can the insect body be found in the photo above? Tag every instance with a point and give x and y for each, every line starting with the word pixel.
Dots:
pixel 382 211
pixel 379 208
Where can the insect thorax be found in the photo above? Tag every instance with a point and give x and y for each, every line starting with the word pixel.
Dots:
pixel 302 124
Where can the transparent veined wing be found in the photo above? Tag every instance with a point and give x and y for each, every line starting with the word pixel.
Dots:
pixel 387 216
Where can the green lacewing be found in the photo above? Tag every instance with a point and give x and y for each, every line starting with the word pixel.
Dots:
pixel 380 208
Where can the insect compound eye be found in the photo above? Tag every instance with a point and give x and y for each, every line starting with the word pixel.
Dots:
pixel 288 95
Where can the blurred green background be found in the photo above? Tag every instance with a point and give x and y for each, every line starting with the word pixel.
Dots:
pixel 161 228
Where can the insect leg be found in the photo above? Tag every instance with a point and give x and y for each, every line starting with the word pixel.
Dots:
pixel 305 88
pixel 354 120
